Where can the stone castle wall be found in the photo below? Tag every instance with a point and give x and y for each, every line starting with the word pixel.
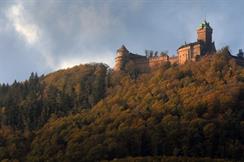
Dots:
pixel 187 52
pixel 174 60
pixel 142 63
pixel 156 61
pixel 190 52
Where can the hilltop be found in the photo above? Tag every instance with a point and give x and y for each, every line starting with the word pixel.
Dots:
pixel 91 113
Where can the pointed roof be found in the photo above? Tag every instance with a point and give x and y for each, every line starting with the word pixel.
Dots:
pixel 204 24
pixel 123 49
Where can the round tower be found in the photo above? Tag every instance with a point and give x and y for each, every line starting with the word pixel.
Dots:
pixel 121 58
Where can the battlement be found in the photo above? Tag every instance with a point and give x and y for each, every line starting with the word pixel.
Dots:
pixel 142 63
pixel 185 53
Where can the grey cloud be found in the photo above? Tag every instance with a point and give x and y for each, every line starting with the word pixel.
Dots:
pixel 73 32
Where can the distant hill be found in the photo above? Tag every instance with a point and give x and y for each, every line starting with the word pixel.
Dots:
pixel 90 113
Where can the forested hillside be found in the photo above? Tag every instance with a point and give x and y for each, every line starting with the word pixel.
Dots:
pixel 89 113
pixel 29 104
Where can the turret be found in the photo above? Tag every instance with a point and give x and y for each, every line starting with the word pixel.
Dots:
pixel 240 54
pixel 204 36
pixel 204 33
pixel 121 58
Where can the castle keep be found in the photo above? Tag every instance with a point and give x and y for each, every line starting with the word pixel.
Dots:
pixel 187 52
pixel 203 45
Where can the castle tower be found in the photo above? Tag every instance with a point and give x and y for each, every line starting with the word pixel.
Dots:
pixel 204 33
pixel 121 58
pixel 203 46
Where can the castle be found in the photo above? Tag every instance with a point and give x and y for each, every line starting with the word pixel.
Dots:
pixel 187 52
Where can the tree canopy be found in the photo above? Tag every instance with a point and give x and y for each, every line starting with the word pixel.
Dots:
pixel 90 113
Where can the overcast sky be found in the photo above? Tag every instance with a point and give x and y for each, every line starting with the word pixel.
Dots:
pixel 43 36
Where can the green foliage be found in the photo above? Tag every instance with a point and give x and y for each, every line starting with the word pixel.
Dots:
pixel 14 144
pixel 88 113
pixel 29 104
pixel 189 110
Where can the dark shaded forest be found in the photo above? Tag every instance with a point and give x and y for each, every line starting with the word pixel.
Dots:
pixel 90 113
pixel 166 159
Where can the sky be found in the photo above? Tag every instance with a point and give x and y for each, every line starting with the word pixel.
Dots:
pixel 47 35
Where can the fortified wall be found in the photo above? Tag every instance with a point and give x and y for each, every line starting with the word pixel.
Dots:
pixel 185 53
pixel 142 63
